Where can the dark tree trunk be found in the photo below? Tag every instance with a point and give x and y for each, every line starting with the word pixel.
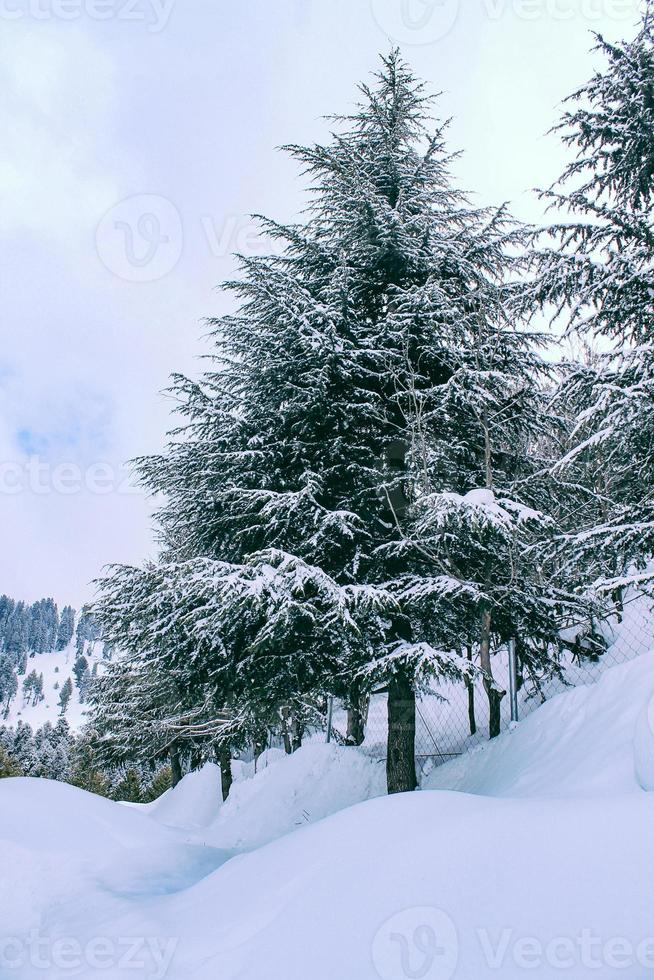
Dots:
pixel 495 709
pixel 298 732
pixel 356 717
pixel 355 727
pixel 494 695
pixel 175 768
pixel 401 748
pixel 286 734
pixel 225 763
pixel 470 687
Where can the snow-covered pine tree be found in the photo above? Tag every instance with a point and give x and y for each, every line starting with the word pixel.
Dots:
pixel 479 516
pixel 65 695
pixel 285 572
pixel 8 765
pixel 33 688
pixel 22 746
pixel 8 683
pixel 161 781
pixel 160 698
pixel 66 627
pixel 6 608
pixel 602 270
pixel 85 769
pixel 128 789
pixel 17 630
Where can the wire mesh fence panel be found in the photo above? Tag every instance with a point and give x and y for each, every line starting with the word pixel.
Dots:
pixel 451 719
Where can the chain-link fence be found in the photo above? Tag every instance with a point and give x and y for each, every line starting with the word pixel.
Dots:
pixel 453 718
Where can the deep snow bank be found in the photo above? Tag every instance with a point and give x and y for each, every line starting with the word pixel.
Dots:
pixel 58 843
pixel 438 885
pixel 193 803
pixel 295 791
pixel 441 885
pixel 581 743
pixel 285 793
pixel 644 746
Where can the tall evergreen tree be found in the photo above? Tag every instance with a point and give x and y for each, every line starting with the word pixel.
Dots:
pixel 65 695
pixel 8 683
pixel 286 571
pixel 66 627
pixel 602 270
pixel 8 765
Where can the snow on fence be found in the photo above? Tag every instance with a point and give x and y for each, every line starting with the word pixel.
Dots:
pixel 443 728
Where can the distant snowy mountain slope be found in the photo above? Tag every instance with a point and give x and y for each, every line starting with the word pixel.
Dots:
pixel 56 667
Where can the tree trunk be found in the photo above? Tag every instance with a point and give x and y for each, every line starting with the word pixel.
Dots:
pixel 356 725
pixel 225 763
pixel 298 732
pixel 401 746
pixel 175 768
pixel 470 687
pixel 286 734
pixel 494 695
pixel 355 728
pixel 259 747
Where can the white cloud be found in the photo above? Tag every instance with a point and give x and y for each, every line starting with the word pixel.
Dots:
pixel 59 102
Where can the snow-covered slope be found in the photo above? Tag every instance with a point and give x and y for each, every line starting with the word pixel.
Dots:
pixel 581 743
pixel 288 793
pixel 458 885
pixel 56 668
pixel 442 727
pixel 547 874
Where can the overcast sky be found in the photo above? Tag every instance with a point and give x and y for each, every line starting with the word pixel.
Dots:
pixel 137 136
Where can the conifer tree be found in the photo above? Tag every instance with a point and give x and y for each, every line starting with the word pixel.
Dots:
pixel 128 789
pixel 8 683
pixel 161 782
pixel 286 572
pixel 65 695
pixel 85 769
pixel 66 627
pixel 601 269
pixel 8 765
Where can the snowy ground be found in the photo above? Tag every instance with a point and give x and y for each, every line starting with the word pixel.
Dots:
pixel 531 857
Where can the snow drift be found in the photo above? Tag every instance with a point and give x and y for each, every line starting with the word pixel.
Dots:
pixel 542 867
pixel 581 743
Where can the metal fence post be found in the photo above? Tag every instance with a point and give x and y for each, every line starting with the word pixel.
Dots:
pixel 513 679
